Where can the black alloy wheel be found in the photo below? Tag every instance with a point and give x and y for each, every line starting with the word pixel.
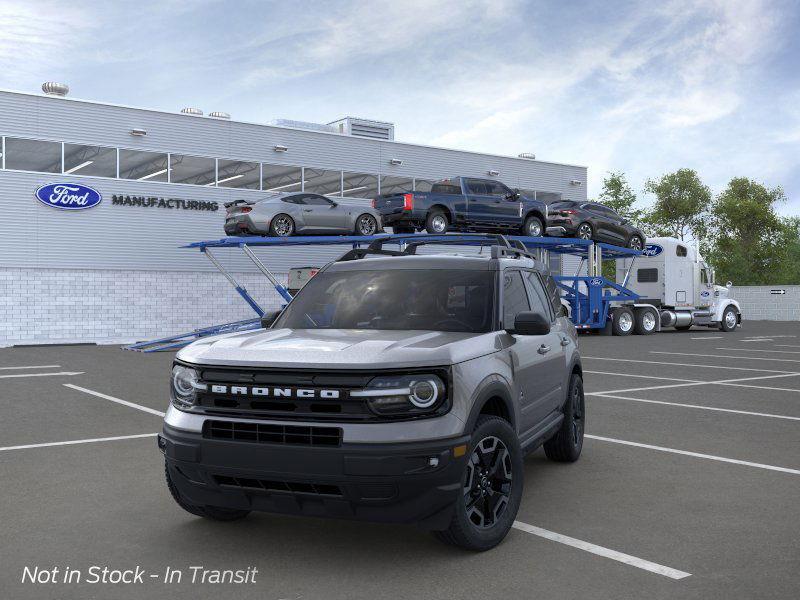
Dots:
pixel 567 443
pixel 487 488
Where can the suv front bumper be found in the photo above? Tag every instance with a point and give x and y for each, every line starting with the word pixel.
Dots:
pixel 393 483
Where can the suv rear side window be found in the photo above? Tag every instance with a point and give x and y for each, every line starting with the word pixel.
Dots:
pixel 515 298
pixel 495 188
pixel 476 186
pixel 542 299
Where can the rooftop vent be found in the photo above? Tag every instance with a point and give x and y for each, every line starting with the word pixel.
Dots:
pixel 192 111
pixel 377 130
pixel 527 155
pixel 303 125
pixel 51 88
pixel 219 115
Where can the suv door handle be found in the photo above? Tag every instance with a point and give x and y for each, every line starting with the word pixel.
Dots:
pixel 308 209
pixel 543 349
pixel 565 341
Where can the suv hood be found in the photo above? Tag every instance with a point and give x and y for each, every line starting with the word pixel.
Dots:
pixel 340 348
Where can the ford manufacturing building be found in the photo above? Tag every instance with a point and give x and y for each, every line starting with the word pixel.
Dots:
pixel 115 272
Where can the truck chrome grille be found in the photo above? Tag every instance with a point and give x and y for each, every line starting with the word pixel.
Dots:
pixel 268 433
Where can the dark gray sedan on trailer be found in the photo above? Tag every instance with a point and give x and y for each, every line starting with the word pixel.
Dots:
pixel 303 213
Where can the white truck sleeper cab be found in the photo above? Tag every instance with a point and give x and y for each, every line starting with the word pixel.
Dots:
pixel 671 276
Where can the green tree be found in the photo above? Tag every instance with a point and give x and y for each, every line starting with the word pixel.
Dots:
pixel 750 243
pixel 618 195
pixel 681 205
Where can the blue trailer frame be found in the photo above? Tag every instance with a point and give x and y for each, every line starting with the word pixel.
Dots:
pixel 590 307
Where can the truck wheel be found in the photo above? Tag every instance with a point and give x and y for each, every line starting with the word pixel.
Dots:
pixel 729 319
pixel 567 443
pixel 215 513
pixel 645 323
pixel 436 222
pixel 281 226
pixel 622 321
pixel 533 227
pixel 491 488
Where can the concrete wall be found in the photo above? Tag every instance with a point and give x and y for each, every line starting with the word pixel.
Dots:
pixel 759 303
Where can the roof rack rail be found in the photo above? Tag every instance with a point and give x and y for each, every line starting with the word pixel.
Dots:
pixel 500 251
pixel 359 253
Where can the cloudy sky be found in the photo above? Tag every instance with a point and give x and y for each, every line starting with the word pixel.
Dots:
pixel 642 87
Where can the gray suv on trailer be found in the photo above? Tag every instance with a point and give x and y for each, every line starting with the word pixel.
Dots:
pixel 394 387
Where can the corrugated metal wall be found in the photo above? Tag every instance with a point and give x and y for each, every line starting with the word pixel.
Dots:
pixel 125 237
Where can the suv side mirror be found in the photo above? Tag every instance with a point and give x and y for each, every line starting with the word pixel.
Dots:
pixel 334 204
pixel 268 318
pixel 530 323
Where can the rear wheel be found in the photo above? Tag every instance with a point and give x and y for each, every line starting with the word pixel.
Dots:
pixel 436 222
pixel 645 323
pixel 491 488
pixel 584 231
pixel 635 243
pixel 729 319
pixel 567 443
pixel 281 226
pixel 533 227
pixel 215 513
pixel 622 321
pixel 366 224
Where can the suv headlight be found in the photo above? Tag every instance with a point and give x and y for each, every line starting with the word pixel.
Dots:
pixel 184 387
pixel 404 395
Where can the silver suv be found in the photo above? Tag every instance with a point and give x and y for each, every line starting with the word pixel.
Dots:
pixel 394 387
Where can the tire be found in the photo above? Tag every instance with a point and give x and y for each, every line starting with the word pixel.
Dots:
pixel 214 513
pixel 729 320
pixel 366 224
pixel 567 443
pixel 645 321
pixel 470 529
pixel 436 222
pixel 584 231
pixel 281 225
pixel 533 227
pixel 636 243
pixel 622 322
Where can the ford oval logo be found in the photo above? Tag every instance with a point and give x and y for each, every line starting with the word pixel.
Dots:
pixel 705 294
pixel 68 196
pixel 652 250
pixel 595 282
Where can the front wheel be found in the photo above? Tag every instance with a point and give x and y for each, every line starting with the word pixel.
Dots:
pixel 635 243
pixel 729 320
pixel 584 232
pixel 491 488
pixel 533 227
pixel 567 443
pixel 366 225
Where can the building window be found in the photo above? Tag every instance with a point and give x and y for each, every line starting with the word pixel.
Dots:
pixel 280 178
pixel 423 185
pixel 144 166
pixel 359 185
pixel 194 170
pixel 396 185
pixel 237 174
pixel 97 161
pixel 33 155
pixel 320 181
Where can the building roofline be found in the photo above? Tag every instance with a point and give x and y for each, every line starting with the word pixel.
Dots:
pixel 166 112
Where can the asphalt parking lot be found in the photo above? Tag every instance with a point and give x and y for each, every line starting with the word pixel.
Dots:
pixel 687 487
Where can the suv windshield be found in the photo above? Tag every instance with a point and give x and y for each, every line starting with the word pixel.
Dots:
pixel 434 300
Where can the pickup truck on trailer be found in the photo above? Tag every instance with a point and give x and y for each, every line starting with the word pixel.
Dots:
pixel 393 387
pixel 464 204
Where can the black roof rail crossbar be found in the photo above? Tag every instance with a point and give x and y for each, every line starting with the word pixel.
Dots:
pixel 359 253
pixel 500 251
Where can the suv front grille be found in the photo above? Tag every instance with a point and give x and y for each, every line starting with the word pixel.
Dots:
pixel 292 487
pixel 268 433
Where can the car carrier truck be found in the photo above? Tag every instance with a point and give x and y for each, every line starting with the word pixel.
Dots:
pixel 676 288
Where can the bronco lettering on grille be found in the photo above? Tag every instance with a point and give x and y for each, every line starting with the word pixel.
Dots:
pixel 275 392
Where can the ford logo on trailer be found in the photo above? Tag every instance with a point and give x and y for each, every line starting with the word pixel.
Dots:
pixel 68 196
pixel 705 293
pixel 595 282
pixel 652 250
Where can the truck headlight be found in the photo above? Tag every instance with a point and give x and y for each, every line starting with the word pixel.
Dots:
pixel 404 395
pixel 185 384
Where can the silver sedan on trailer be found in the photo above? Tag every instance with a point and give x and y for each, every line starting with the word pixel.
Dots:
pixel 285 214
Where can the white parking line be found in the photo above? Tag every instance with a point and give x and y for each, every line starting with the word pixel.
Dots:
pixel 633 561
pixel 699 406
pixel 758 350
pixel 31 367
pixel 708 337
pixel 694 454
pixel 146 409
pixel 71 442
pixel 756 340
pixel 17 375
pixel 642 376
pixel 674 364
pixel 724 356
pixel 787 346
pixel 716 382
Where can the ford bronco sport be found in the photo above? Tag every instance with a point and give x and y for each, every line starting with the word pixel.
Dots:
pixel 394 387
